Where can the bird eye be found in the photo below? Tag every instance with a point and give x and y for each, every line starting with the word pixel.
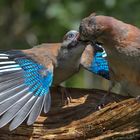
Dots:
pixel 97 30
pixel 70 36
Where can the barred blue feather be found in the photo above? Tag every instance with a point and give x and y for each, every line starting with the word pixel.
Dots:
pixel 99 63
pixel 34 78
pixel 24 89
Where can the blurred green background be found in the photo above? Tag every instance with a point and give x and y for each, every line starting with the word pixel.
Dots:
pixel 25 23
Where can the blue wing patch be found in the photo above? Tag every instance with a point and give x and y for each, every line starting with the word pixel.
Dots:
pixel 24 89
pixel 38 78
pixel 99 65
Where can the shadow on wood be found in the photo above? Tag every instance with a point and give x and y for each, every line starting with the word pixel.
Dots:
pixel 79 120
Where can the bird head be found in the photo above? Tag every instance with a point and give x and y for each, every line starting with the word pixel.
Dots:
pixel 71 39
pixel 71 43
pixel 94 27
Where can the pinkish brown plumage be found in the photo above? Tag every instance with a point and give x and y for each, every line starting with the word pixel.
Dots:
pixel 122 44
pixel 87 56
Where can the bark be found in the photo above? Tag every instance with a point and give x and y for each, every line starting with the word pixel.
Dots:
pixel 81 120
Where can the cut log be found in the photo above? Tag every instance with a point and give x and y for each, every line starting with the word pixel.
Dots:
pixel 80 119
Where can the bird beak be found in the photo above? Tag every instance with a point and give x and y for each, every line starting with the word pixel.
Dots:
pixel 77 36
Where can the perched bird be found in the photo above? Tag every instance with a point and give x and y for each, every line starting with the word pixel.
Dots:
pixel 93 59
pixel 121 42
pixel 26 75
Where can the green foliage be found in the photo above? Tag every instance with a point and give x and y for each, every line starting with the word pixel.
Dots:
pixel 28 22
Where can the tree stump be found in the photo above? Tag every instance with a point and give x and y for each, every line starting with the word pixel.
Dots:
pixel 80 119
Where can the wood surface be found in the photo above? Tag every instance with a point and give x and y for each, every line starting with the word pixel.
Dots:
pixel 119 119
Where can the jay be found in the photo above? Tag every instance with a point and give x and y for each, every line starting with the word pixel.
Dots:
pixel 27 75
pixel 122 44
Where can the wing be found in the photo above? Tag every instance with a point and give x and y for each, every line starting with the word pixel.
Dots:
pixel 99 65
pixel 95 61
pixel 24 88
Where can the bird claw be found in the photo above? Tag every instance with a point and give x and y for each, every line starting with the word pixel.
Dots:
pixel 68 100
pixel 100 105
pixel 138 98
pixel 105 101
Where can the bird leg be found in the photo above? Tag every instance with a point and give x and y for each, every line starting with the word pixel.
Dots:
pixel 103 100
pixel 65 95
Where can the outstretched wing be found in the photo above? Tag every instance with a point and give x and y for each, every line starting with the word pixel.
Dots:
pixel 95 61
pixel 24 88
